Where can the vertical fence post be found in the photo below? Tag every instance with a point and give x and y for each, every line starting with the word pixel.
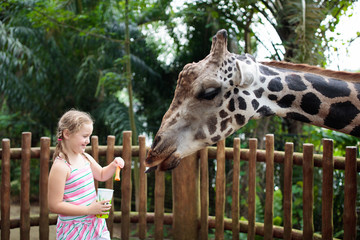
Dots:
pixel 350 194
pixel 235 209
pixel 25 186
pixel 269 199
pixel 327 189
pixel 142 188
pixel 308 191
pixel 95 153
pixel 220 190
pixel 159 204
pixel 288 172
pixel 5 189
pixel 186 203
pixel 126 186
pixel 110 183
pixel 204 194
pixel 43 191
pixel 252 188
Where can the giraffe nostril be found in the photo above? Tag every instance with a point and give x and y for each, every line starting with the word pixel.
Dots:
pixel 156 141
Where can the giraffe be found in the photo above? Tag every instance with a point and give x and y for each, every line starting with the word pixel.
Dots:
pixel 221 93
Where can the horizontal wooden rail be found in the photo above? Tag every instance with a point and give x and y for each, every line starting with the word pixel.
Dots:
pixel 134 218
pixel 339 162
pixel 278 231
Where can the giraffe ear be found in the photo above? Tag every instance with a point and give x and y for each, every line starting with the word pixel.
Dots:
pixel 246 73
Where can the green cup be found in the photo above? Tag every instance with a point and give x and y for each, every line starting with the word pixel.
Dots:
pixel 104 194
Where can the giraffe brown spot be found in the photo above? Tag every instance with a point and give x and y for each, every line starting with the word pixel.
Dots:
pixel 211 124
pixel 240 119
pixel 262 79
pixel 258 92
pixel 357 87
pixel 227 94
pixel 224 124
pixel 310 103
pixel 286 101
pixel 332 89
pixel 200 134
pixel 298 117
pixel 231 105
pixel 341 114
pixel 267 71
pixel 295 82
pixel 265 111
pixel 273 97
pixel 223 114
pixel 356 131
pixel 242 103
pixel 255 104
pixel 275 85
pixel 216 138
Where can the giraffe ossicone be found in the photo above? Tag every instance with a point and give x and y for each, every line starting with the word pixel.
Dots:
pixel 221 93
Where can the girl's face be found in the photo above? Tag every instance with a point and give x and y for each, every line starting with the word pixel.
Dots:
pixel 81 138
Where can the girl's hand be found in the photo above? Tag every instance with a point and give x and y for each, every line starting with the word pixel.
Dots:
pixel 101 207
pixel 119 162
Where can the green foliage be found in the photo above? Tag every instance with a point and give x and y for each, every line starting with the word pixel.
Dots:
pixel 341 140
pixel 54 53
pixel 297 204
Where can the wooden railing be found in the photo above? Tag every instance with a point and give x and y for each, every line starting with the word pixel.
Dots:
pixel 190 218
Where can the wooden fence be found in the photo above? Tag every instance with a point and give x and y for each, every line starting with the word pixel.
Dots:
pixel 190 217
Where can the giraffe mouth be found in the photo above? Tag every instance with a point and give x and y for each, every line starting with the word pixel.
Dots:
pixel 163 163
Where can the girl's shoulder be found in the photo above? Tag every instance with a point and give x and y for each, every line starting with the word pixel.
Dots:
pixel 60 165
pixel 89 157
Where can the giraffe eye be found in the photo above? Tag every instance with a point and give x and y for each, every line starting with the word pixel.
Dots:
pixel 209 93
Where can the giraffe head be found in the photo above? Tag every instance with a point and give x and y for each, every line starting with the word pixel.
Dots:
pixel 203 109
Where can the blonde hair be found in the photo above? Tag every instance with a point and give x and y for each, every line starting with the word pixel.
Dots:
pixel 72 120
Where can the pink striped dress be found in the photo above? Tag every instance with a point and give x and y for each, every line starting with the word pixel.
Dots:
pixel 80 190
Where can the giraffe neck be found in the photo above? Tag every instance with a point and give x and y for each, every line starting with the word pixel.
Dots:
pixel 309 98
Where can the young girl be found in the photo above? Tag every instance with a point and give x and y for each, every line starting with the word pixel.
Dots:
pixel 71 190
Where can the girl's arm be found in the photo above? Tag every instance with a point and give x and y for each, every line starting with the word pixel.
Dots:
pixel 104 173
pixel 57 178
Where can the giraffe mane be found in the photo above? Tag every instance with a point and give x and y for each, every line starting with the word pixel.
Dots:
pixel 343 75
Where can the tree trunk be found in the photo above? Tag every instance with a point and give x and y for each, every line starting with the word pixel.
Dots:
pixel 130 93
